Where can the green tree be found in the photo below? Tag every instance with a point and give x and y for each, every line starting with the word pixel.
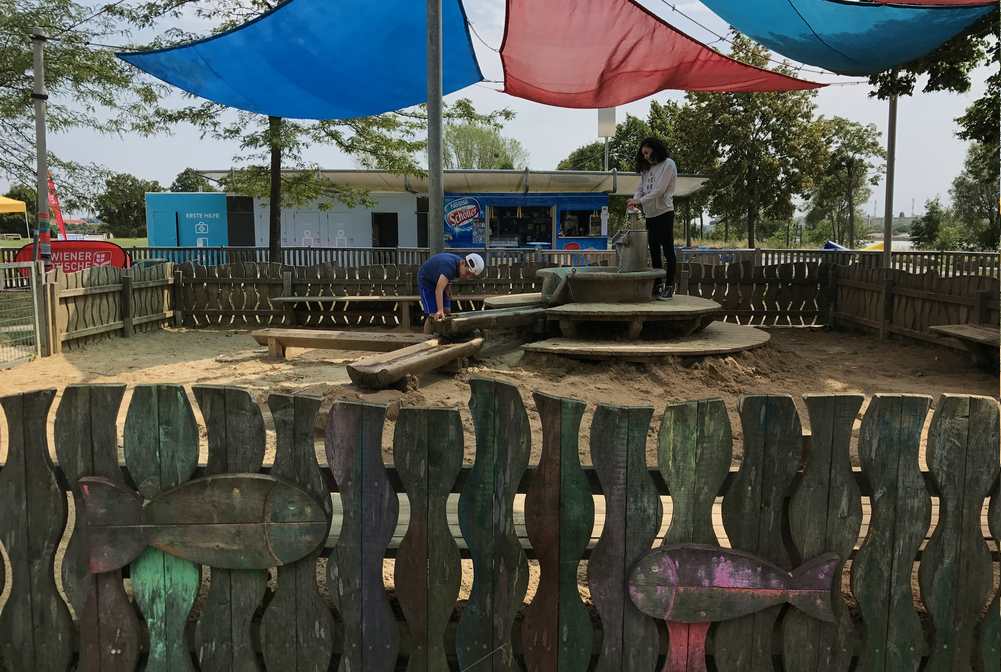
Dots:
pixel 472 145
pixel 87 87
pixel 768 148
pixel 622 148
pixel 15 223
pixel 975 197
pixel 851 168
pixel 926 229
pixel 190 180
pixel 121 206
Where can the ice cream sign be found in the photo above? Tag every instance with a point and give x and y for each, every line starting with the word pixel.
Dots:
pixel 462 211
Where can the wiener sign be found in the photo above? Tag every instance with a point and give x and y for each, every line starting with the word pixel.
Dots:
pixel 75 255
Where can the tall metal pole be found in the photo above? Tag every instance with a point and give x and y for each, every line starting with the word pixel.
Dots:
pixel 43 250
pixel 891 150
pixel 606 155
pixel 436 186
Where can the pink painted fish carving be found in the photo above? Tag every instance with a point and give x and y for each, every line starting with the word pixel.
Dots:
pixel 691 583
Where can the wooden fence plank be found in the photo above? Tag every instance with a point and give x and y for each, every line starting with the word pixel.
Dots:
pixel 559 517
pixel 901 513
pixel 371 509
pixel 36 630
pixel 989 630
pixel 235 427
pixel 825 515
pixel 955 569
pixel 297 628
pixel 753 519
pixel 633 515
pixel 500 568
pixel 161 451
pixel 694 453
pixel 428 449
pixel 87 445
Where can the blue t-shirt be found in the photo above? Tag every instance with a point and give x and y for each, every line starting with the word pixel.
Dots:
pixel 445 263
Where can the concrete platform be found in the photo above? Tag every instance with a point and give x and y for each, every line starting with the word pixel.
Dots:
pixel 719 338
pixel 688 315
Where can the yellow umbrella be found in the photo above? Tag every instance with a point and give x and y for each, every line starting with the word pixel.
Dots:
pixel 875 247
pixel 10 206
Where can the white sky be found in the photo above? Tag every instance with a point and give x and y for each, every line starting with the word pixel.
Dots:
pixel 929 155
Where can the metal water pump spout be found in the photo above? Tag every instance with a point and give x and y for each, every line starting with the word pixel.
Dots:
pixel 630 245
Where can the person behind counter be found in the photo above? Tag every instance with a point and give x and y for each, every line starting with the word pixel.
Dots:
pixel 434 277
pixel 655 195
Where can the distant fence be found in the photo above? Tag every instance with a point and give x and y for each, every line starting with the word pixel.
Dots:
pixel 103 301
pixel 792 499
pixel 913 301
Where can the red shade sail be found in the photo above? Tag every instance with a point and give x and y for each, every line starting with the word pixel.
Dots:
pixel 603 53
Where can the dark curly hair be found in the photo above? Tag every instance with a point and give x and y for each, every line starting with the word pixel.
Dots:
pixel 658 154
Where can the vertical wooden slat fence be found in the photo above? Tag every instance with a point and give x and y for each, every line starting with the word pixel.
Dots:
pixel 789 500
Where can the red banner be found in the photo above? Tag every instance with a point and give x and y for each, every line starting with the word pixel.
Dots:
pixel 75 255
pixel 54 207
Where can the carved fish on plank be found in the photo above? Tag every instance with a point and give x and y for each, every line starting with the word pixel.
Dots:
pixel 691 583
pixel 231 521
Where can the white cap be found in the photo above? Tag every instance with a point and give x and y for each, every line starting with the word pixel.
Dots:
pixel 475 263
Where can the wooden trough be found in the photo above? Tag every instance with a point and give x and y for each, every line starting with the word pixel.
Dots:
pixel 385 370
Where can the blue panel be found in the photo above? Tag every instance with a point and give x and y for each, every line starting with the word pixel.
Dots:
pixel 850 38
pixel 321 59
pixel 186 220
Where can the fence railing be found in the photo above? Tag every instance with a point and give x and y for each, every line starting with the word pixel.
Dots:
pixel 104 300
pixel 22 322
pixel 793 498
pixel 907 304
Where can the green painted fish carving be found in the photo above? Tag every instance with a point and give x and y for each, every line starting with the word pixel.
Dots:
pixel 231 521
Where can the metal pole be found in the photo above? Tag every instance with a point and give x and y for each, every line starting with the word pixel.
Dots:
pixel 891 149
pixel 436 186
pixel 43 250
pixel 606 155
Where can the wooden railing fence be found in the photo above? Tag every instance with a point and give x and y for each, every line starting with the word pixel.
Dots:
pixel 791 499
pixel 103 301
pixel 907 304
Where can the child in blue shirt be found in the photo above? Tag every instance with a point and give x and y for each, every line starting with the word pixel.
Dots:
pixel 434 277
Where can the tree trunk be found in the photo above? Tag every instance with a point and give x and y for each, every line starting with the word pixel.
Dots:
pixel 702 224
pixel 752 216
pixel 851 216
pixel 275 215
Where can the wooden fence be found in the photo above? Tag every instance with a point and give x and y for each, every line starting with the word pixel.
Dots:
pixel 103 301
pixel 907 304
pixel 792 498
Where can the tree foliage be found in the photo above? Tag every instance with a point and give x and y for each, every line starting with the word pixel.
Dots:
pixel 975 197
pixel 121 206
pixel 622 148
pixel 479 146
pixel 190 180
pixel 15 223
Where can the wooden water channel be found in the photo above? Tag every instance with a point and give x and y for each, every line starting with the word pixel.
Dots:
pixel 791 499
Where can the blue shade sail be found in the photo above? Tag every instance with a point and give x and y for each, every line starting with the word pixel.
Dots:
pixel 320 59
pixel 849 38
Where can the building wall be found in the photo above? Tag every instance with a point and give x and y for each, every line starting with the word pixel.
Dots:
pixel 338 226
pixel 186 220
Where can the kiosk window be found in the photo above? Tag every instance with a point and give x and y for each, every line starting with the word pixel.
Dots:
pixel 580 223
pixel 517 227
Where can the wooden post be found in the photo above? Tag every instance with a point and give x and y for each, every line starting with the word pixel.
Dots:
pixel 178 311
pixel 127 328
pixel 982 311
pixel 288 308
pixel 53 331
pixel 885 302
pixel 43 310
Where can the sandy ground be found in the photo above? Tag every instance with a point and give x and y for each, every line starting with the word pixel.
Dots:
pixel 795 362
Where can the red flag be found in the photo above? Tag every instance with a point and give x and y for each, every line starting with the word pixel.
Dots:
pixel 54 207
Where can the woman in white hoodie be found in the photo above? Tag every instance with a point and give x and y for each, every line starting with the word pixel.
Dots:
pixel 655 195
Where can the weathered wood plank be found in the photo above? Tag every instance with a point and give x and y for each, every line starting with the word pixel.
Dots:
pixel 87 445
pixel 989 630
pixel 633 514
pixel 500 568
pixel 753 519
pixel 223 638
pixel 955 569
pixel 901 512
pixel 428 449
pixel 694 452
pixel 559 517
pixel 161 451
pixel 36 630
pixel 825 514
pixel 371 509
pixel 297 628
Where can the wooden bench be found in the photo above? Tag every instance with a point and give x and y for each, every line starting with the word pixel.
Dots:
pixel 982 340
pixel 278 340
pixel 402 304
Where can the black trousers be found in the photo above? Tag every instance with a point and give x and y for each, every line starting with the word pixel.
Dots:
pixel 660 236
